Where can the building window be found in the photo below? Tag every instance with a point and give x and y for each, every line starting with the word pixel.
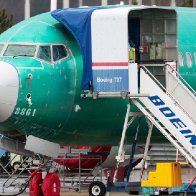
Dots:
pixel 189 59
pixel 180 59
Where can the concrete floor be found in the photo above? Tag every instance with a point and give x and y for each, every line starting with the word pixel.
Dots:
pixel 187 175
pixel 86 194
pixel 70 193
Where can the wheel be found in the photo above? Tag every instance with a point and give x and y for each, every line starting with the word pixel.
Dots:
pixel 35 185
pixel 97 189
pixel 51 185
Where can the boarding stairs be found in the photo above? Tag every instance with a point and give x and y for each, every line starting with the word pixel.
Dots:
pixel 164 152
pixel 167 108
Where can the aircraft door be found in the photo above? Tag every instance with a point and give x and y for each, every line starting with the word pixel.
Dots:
pixel 134 36
pixel 64 77
pixel 65 71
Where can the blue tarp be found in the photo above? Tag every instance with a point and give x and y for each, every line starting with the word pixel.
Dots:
pixel 78 22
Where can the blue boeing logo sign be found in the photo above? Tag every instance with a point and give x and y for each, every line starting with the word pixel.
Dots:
pixel 173 118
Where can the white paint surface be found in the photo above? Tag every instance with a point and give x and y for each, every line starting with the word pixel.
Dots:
pixel 42 147
pixel 9 86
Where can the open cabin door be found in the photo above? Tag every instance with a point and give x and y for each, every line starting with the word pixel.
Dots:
pixel 116 32
pixel 110 52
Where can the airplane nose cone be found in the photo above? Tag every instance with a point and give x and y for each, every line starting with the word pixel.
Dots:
pixel 9 86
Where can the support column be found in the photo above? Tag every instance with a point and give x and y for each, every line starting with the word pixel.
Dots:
pixel 130 2
pixel 194 3
pixel 173 3
pixel 80 2
pixel 104 2
pixel 139 2
pixel 53 5
pixel 153 2
pixel 27 9
pixel 65 3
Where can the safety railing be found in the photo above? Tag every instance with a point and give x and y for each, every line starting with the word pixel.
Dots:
pixel 166 91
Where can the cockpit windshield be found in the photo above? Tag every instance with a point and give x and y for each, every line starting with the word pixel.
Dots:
pixel 1 47
pixel 20 50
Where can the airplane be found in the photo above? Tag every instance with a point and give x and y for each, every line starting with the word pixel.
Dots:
pixel 48 92
pixel 41 93
pixel 56 111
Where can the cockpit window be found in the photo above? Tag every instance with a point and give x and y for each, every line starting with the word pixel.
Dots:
pixel 44 53
pixel 59 52
pixel 20 50
pixel 1 47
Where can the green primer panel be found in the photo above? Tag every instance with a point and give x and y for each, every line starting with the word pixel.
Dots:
pixel 58 113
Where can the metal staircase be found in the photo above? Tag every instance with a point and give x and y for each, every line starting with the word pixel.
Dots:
pixel 164 152
pixel 168 113
pixel 181 91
